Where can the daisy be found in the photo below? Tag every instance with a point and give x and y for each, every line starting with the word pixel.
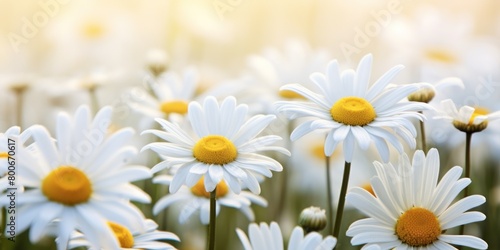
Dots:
pixel 353 112
pixel 171 94
pixel 269 237
pixel 131 239
pixel 81 180
pixel 196 199
pixel 412 210
pixel 293 64
pixel 428 93
pixel 226 147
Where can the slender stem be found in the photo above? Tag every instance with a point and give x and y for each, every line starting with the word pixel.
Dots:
pixel 2 230
pixel 343 191
pixel 94 104
pixel 211 228
pixel 329 194
pixel 422 135
pixel 278 212
pixel 468 138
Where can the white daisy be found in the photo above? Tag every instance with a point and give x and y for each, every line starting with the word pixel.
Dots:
pixel 269 237
pixel 226 148
pixel 352 112
pixel 412 210
pixel 171 94
pixel 82 180
pixel 427 93
pixel 196 199
pixel 467 119
pixel 131 239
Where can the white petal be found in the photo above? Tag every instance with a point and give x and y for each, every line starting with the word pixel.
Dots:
pixel 363 76
pixel 464 240
pixel 382 82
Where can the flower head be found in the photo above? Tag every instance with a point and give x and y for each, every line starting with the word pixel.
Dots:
pixel 197 199
pixel 353 112
pixel 269 237
pixel 171 94
pixel 226 147
pixel 467 119
pixel 131 239
pixel 412 209
pixel 81 180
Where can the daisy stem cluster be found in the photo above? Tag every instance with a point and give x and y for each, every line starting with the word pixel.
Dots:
pixel 343 191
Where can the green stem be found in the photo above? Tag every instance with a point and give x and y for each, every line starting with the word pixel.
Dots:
pixel 343 191
pixel 329 194
pixel 422 135
pixel 211 228
pixel 278 212
pixel 2 230
pixel 468 138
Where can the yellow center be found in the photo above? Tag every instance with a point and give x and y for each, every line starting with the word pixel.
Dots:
pixel 178 106
pixel 4 155
pixel 93 30
pixel 477 112
pixel 353 110
pixel 418 227
pixel 123 235
pixel 215 149
pixel 290 94
pixel 199 189
pixel 441 56
pixel 67 185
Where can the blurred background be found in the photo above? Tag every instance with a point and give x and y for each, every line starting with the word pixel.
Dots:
pixel 58 54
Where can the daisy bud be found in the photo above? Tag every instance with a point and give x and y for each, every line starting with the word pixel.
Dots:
pixel 312 219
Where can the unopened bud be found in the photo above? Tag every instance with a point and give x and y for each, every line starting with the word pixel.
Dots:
pixel 312 219
pixel 424 95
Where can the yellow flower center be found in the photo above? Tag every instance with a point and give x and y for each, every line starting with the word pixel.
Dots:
pixel 67 185
pixel 477 112
pixel 93 30
pixel 418 227
pixel 199 189
pixel 178 106
pixel 215 149
pixel 4 155
pixel 290 94
pixel 353 110
pixel 441 56
pixel 123 235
